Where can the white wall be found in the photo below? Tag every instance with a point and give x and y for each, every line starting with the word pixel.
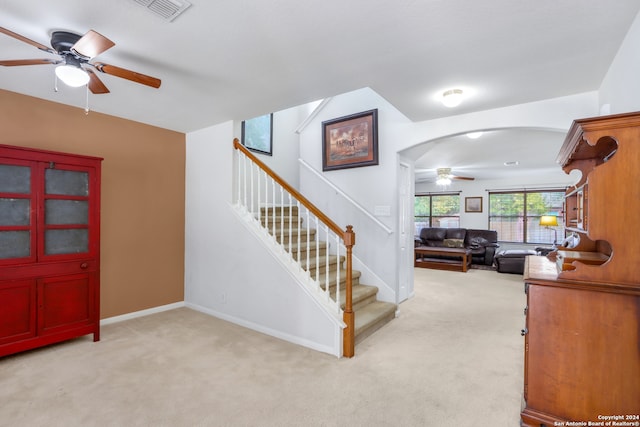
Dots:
pixel 620 89
pixel 228 273
pixel 286 142
pixel 373 188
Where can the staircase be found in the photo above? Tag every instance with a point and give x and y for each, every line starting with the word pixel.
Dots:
pixel 370 314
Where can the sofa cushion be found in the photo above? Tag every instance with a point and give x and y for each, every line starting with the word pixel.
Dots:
pixel 453 243
pixel 477 242
pixel 455 233
pixel 433 233
pixel 481 238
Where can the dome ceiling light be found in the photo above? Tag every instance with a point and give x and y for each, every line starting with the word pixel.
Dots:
pixel 452 97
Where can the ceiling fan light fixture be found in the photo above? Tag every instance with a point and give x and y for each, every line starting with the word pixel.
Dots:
pixel 452 97
pixel 444 181
pixel 444 176
pixel 72 76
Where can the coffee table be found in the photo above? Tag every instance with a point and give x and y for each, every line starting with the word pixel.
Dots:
pixel 422 258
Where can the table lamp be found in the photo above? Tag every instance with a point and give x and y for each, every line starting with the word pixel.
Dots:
pixel 550 221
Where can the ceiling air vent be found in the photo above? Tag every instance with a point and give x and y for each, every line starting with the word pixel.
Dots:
pixel 166 9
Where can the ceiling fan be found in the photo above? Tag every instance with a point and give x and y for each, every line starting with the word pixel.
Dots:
pixel 446 173
pixel 74 66
pixel 444 176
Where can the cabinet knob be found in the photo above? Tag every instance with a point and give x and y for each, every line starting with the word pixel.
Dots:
pixel 84 265
pixel 524 331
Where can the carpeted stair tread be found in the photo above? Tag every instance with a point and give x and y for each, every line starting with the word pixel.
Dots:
pixel 287 228
pixel 320 248
pixel 372 317
pixel 293 222
pixel 361 295
pixel 303 246
pixel 321 263
pixel 355 278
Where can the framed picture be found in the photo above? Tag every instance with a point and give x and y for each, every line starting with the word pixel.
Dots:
pixel 473 204
pixel 257 134
pixel 350 141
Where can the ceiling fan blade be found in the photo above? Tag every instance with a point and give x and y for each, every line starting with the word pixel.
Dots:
pixel 17 62
pixel 464 178
pixel 95 84
pixel 127 74
pixel 92 44
pixel 26 40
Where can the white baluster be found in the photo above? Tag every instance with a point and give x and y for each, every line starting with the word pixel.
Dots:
pixel 338 273
pixel 281 216
pixel 326 263
pixel 317 224
pixel 266 202
pixel 299 227
pixel 239 181
pixel 273 210
pixel 308 225
pixel 290 245
pixel 259 200
pixel 244 182
pixel 251 185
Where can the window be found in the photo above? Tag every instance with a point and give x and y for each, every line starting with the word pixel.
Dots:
pixel 516 215
pixel 436 210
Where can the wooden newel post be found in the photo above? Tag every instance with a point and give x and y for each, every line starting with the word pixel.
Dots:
pixel 348 337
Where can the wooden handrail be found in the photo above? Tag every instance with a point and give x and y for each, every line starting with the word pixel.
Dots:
pixel 348 236
pixel 317 212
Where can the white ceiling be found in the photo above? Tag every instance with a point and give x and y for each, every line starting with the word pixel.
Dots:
pixel 236 59
pixel 486 157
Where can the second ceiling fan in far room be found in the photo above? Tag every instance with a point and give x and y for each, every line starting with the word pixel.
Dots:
pixel 444 176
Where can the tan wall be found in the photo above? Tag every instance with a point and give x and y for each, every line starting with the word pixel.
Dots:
pixel 143 180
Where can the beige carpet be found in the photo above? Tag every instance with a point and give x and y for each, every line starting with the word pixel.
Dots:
pixel 452 358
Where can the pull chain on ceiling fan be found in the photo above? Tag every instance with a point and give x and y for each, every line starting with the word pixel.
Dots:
pixel 74 67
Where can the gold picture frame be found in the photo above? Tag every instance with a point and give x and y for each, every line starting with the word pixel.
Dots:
pixel 473 204
pixel 350 141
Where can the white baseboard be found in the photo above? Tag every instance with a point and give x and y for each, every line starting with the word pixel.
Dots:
pixel 141 313
pixel 336 351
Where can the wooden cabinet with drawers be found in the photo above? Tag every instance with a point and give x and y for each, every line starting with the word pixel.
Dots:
pixel 582 333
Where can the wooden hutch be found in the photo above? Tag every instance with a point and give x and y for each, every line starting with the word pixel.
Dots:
pixel 582 339
pixel 49 248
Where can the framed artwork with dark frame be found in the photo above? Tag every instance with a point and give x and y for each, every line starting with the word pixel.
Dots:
pixel 473 204
pixel 257 134
pixel 350 141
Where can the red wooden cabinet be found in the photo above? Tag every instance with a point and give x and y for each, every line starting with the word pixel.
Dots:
pixel 18 314
pixel 49 247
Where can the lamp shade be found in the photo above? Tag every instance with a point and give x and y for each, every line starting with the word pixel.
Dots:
pixel 549 220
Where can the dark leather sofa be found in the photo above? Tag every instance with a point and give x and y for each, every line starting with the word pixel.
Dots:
pixel 482 243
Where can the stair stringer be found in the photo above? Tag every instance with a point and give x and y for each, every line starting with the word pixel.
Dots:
pixel 320 298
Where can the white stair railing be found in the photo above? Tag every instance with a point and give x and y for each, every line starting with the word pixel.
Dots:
pixel 298 228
